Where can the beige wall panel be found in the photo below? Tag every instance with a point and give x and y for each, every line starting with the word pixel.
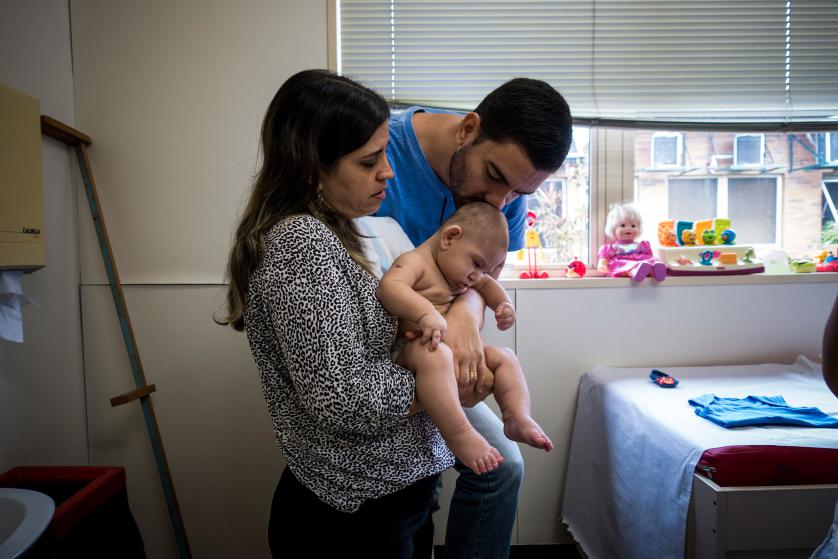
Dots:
pixel 564 332
pixel 173 95
pixel 42 414
pixel 209 406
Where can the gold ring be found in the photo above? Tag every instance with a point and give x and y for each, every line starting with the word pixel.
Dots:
pixel 472 374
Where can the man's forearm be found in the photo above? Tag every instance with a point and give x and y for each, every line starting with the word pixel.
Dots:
pixel 469 305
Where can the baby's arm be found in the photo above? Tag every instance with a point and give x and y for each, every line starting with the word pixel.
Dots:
pixel 397 295
pixel 498 300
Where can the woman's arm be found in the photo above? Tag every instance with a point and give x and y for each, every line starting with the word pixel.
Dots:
pixel 319 328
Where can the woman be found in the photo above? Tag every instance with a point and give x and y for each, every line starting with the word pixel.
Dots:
pixel 362 460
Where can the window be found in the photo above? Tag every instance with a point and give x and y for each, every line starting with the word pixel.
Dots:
pixel 562 205
pixel 692 199
pixel 752 208
pixel 622 71
pixel 829 212
pixel 788 201
pixel 666 150
pixel 832 148
pixel 748 150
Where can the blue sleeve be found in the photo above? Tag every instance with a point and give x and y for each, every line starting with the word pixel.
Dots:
pixel 516 214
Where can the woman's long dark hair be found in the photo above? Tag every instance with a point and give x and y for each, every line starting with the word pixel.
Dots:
pixel 315 118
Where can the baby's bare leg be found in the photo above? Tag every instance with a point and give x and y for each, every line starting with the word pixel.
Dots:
pixel 436 390
pixel 513 398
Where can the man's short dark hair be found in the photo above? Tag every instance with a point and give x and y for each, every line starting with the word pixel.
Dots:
pixel 532 114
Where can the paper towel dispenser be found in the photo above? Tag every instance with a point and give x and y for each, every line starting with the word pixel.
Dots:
pixel 21 183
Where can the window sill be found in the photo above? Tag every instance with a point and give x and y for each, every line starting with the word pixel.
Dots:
pixel 510 281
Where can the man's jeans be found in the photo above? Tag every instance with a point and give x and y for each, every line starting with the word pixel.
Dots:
pixel 483 507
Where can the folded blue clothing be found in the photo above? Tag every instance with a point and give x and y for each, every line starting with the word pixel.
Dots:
pixel 758 410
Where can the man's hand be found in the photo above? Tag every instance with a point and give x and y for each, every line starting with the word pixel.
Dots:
pixel 474 380
pixel 505 316
pixel 433 328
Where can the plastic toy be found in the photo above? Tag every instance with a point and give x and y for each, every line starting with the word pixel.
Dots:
pixel 688 237
pixel 749 255
pixel 683 260
pixel 706 258
pixel 727 258
pixel 533 245
pixel 662 379
pixel 680 226
pixel 829 264
pixel 727 237
pixel 666 233
pixel 802 266
pixel 622 254
pixel 576 269
pixel 720 225
pixel 708 237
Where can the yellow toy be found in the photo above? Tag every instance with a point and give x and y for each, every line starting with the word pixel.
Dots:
pixel 533 244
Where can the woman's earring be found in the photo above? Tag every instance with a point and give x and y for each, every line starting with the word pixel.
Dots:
pixel 321 203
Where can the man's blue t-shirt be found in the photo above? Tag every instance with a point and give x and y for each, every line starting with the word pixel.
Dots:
pixel 417 198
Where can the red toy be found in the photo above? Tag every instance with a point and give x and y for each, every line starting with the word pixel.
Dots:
pixel 576 269
pixel 533 245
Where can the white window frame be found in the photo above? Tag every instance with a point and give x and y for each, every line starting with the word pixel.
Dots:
pixel 679 150
pixel 722 201
pixel 760 163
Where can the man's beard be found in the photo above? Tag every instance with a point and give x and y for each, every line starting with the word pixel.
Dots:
pixel 458 177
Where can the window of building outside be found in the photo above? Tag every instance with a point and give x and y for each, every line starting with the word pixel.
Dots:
pixel 829 212
pixel 562 205
pixel 782 192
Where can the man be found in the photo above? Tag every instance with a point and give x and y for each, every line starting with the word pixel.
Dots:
pixel 829 548
pixel 512 142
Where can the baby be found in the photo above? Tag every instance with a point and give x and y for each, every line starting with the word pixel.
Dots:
pixel 419 288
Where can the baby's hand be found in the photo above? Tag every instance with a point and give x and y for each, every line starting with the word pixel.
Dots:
pixel 433 328
pixel 505 315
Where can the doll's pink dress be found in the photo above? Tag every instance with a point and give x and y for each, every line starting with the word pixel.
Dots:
pixel 624 257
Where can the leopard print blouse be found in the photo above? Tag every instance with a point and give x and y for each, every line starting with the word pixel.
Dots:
pixel 321 341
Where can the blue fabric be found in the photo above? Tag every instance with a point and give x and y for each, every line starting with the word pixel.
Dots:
pixel 758 410
pixel 417 198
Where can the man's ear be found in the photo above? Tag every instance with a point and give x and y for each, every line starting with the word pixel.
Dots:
pixel 449 235
pixel 468 129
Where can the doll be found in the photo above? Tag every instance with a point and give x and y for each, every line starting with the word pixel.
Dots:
pixel 623 254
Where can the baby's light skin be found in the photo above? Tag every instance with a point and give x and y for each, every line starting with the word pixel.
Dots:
pixel 419 289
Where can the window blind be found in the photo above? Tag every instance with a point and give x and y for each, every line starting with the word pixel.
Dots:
pixel 694 60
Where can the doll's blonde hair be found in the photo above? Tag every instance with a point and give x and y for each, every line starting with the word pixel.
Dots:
pixel 620 213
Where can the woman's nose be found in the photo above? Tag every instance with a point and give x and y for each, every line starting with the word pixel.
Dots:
pixel 387 172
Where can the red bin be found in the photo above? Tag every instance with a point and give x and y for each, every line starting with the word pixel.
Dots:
pixel 92 517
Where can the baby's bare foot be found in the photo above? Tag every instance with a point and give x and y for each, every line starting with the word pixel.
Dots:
pixel 474 451
pixel 523 429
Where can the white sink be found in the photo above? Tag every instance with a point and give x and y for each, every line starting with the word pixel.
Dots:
pixel 24 515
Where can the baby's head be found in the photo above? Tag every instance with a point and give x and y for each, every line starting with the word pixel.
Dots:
pixel 470 243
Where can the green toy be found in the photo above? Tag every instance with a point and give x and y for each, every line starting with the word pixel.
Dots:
pixel 802 266
pixel 708 237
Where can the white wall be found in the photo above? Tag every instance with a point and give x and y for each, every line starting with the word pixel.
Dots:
pixel 42 411
pixel 173 95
